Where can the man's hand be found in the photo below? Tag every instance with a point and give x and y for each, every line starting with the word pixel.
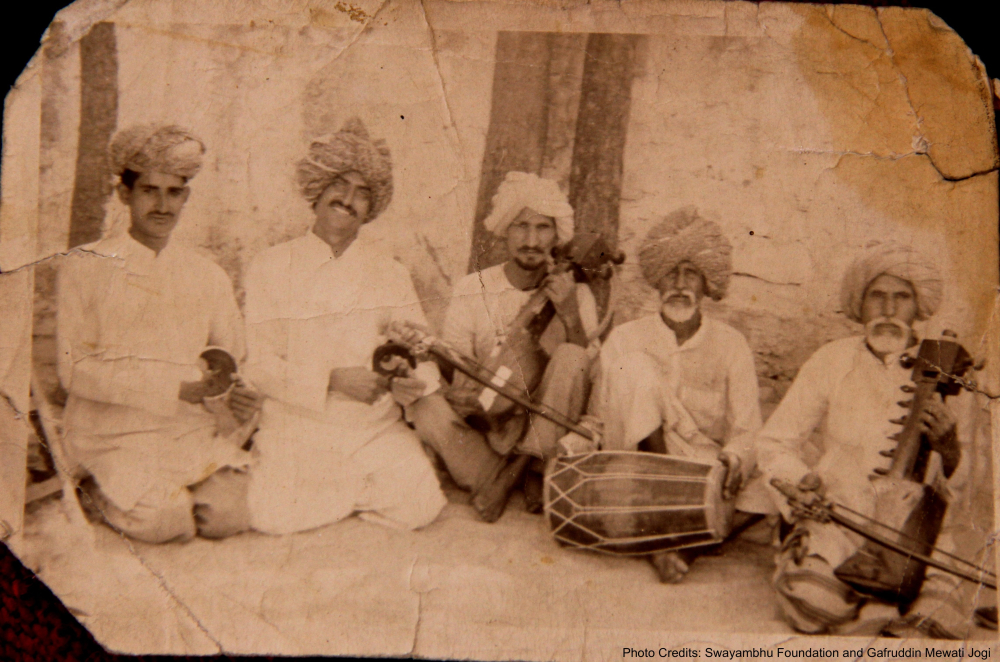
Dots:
pixel 407 333
pixel 811 482
pixel 359 383
pixel 938 425
pixel 193 392
pixel 561 290
pixel 244 401
pixel 407 390
pixel 734 474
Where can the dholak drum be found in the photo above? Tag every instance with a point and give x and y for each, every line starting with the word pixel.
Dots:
pixel 631 503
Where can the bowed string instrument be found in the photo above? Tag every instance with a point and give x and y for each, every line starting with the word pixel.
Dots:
pixel 909 506
pixel 505 381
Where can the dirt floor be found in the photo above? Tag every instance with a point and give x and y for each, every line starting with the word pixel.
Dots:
pixel 459 588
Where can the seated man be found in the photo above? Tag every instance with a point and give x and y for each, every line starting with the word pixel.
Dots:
pixel 331 440
pixel 851 390
pixel 681 382
pixel 533 216
pixel 134 314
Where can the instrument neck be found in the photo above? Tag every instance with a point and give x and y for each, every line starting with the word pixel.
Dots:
pixel 910 438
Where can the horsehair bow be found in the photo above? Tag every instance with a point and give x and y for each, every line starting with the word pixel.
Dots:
pixel 813 506
pixel 428 344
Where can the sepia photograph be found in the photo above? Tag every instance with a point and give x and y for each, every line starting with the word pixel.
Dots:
pixel 504 330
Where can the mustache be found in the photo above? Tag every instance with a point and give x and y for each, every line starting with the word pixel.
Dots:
pixel 687 295
pixel 873 326
pixel 349 209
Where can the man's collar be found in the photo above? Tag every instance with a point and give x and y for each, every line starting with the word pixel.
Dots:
pixel 695 339
pixel 692 342
pixel 893 357
pixel 318 247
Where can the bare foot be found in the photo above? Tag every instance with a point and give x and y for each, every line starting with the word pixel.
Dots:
pixel 670 566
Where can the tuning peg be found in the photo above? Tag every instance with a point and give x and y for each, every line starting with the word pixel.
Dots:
pixel 889 453
pixel 880 471
pixel 895 437
pixel 907 361
pixel 898 421
pixel 979 365
pixel 906 388
pixel 905 403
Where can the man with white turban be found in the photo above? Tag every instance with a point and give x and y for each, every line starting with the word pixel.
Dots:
pixel 681 382
pixel 532 216
pixel 332 441
pixel 850 390
pixel 135 312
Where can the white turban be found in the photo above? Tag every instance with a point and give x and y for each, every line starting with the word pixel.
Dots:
pixel 520 190
pixel 162 148
pixel 893 259
pixel 684 235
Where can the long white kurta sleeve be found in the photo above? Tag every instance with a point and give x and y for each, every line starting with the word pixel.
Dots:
pixel 119 315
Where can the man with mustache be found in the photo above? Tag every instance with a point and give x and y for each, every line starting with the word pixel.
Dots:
pixel 135 312
pixel 850 391
pixel 681 382
pixel 332 441
pixel 532 216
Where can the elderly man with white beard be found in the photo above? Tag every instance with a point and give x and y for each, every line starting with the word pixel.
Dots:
pixel 850 389
pixel 680 382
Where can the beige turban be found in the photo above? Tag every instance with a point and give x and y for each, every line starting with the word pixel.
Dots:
pixel 519 190
pixel 350 149
pixel 898 260
pixel 683 235
pixel 156 148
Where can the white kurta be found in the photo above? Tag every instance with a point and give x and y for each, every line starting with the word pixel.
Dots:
pixel 483 305
pixel 308 313
pixel 131 326
pixel 711 376
pixel 850 395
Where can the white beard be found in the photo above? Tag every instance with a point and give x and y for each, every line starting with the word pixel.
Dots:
pixel 679 312
pixel 885 341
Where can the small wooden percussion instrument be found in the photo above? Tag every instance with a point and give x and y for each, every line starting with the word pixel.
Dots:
pixel 633 503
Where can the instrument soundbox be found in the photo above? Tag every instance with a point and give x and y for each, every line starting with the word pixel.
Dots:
pixel 909 509
pixel 519 362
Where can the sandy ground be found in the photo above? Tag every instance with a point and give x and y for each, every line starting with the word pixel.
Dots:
pixel 459 588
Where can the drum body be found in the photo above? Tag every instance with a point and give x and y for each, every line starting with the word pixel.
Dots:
pixel 632 503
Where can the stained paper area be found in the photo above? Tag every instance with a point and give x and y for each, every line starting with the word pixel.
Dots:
pixel 804 131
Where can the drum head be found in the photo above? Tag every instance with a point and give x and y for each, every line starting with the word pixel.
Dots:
pixel 634 503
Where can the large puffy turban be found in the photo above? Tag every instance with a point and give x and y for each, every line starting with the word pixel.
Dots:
pixel 897 260
pixel 156 148
pixel 520 190
pixel 350 149
pixel 683 235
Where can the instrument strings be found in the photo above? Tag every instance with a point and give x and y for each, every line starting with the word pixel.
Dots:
pixel 916 540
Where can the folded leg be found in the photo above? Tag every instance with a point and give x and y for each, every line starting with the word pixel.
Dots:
pixel 162 514
pixel 400 487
